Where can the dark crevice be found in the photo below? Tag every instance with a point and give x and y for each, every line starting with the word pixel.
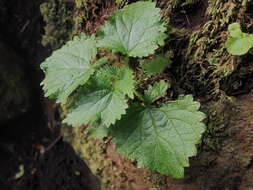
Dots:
pixel 24 136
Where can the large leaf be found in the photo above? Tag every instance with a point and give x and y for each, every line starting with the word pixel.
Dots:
pixel 238 43
pixel 93 105
pixel 161 139
pixel 68 67
pixel 103 99
pixel 135 30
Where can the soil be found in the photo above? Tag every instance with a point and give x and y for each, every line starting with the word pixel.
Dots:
pixel 34 155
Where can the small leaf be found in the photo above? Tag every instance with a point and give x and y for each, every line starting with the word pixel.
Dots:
pixel 98 130
pixel 155 66
pixel 68 68
pixel 120 78
pixel 238 43
pixel 161 139
pixel 135 30
pixel 156 91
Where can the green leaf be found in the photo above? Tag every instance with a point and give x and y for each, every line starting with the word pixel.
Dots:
pixel 161 139
pixel 155 66
pixel 69 67
pixel 98 130
pixel 156 91
pixel 119 78
pixel 103 98
pixel 135 30
pixel 97 104
pixel 238 43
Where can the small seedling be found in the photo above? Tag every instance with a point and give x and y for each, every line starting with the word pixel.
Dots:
pixel 160 136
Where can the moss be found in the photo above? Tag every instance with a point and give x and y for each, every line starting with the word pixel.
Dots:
pixel 91 151
pixel 91 14
pixel 58 16
pixel 219 116
pixel 114 172
pixel 181 3
pixel 206 63
pixel 80 3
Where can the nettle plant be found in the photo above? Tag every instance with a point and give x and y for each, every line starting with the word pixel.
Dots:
pixel 105 97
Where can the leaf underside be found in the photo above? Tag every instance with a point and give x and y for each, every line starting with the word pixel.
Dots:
pixel 161 139
pixel 238 43
pixel 68 67
pixel 136 30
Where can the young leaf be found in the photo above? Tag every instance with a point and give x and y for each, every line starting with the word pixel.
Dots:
pixel 98 130
pixel 161 139
pixel 104 98
pixel 69 67
pixel 155 92
pixel 155 66
pixel 121 78
pixel 135 30
pixel 238 43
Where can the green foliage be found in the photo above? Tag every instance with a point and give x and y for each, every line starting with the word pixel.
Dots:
pixel 98 130
pixel 103 99
pixel 69 67
pixel 136 30
pixel 160 138
pixel 155 66
pixel 122 79
pixel 238 43
pixel 155 92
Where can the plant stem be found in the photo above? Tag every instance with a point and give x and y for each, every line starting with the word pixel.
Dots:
pixel 101 62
